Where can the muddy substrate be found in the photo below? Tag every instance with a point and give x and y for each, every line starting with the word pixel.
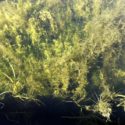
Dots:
pixel 51 111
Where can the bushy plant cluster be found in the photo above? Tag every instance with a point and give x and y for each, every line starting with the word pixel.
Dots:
pixel 68 48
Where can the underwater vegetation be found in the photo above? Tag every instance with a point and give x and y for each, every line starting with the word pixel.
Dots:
pixel 67 49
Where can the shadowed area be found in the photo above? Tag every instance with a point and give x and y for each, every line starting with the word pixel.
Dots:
pixel 44 111
pixel 52 110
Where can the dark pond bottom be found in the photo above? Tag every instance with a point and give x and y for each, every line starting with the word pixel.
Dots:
pixel 51 111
